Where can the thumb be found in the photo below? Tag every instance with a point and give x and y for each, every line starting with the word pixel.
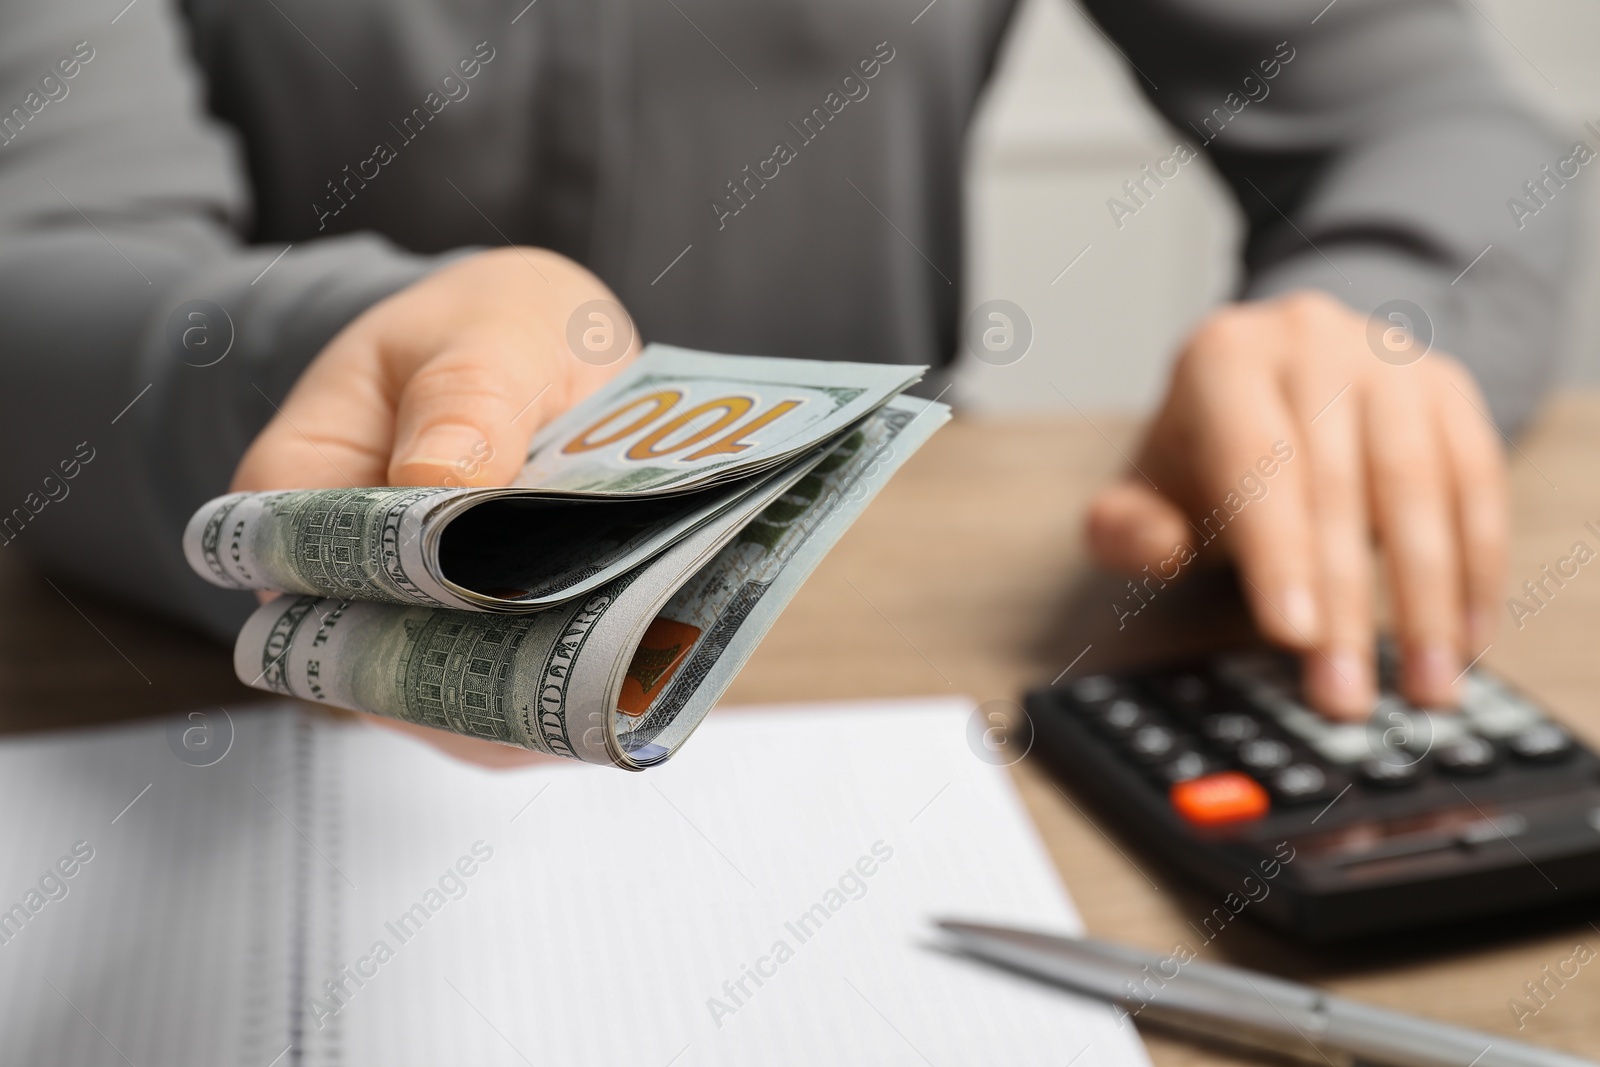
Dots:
pixel 1131 526
pixel 466 416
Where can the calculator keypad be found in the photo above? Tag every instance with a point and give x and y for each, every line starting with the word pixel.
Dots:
pixel 1199 734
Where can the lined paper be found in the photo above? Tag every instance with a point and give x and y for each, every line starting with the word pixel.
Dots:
pixel 763 898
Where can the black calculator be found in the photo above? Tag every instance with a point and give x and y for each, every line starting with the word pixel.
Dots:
pixel 1332 830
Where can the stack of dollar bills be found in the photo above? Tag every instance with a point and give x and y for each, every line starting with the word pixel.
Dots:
pixel 597 608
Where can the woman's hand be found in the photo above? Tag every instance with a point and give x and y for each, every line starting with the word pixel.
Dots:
pixel 444 383
pixel 1401 455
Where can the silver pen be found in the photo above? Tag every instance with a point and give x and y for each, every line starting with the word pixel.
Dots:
pixel 1241 1007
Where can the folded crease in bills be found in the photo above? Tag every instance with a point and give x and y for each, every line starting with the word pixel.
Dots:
pixel 599 608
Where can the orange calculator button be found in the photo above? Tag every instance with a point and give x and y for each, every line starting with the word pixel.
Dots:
pixel 1220 798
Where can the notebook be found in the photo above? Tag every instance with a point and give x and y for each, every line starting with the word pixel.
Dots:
pixel 273 888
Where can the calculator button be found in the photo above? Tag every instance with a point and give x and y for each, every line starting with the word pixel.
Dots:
pixel 1494 710
pixel 1343 743
pixel 1544 743
pixel 1094 689
pixel 1299 720
pixel 1151 743
pixel 1470 755
pixel 1400 728
pixel 1186 767
pixel 1123 717
pixel 1217 799
pixel 1446 728
pixel 1264 754
pixel 1300 782
pixel 1230 728
pixel 1391 774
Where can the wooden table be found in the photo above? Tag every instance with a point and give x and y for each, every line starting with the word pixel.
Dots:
pixel 968 576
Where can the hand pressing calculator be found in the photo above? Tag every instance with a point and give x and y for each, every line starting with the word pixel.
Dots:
pixel 1410 819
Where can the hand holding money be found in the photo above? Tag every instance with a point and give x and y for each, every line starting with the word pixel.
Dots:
pixel 443 382
pixel 596 609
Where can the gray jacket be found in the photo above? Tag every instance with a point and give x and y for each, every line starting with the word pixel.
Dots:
pixel 780 178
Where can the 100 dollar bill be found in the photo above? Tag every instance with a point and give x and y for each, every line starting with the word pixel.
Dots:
pixel 620 676
pixel 677 441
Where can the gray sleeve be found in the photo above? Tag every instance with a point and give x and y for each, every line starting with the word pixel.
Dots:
pixel 121 204
pixel 1377 158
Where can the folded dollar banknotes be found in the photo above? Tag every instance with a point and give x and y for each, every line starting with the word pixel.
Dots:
pixel 597 608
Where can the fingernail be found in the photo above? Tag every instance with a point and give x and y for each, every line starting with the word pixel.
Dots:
pixel 1300 611
pixel 1432 669
pixel 449 446
pixel 1342 683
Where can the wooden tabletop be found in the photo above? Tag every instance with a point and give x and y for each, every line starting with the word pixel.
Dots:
pixel 968 576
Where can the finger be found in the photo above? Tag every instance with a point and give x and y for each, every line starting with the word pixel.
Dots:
pixel 1249 486
pixel 1412 512
pixel 332 430
pixel 1131 527
pixel 1482 501
pixel 1338 673
pixel 465 416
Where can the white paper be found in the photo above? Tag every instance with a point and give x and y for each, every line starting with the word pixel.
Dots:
pixel 608 918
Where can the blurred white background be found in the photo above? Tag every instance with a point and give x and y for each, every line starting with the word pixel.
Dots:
pixel 1063 126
